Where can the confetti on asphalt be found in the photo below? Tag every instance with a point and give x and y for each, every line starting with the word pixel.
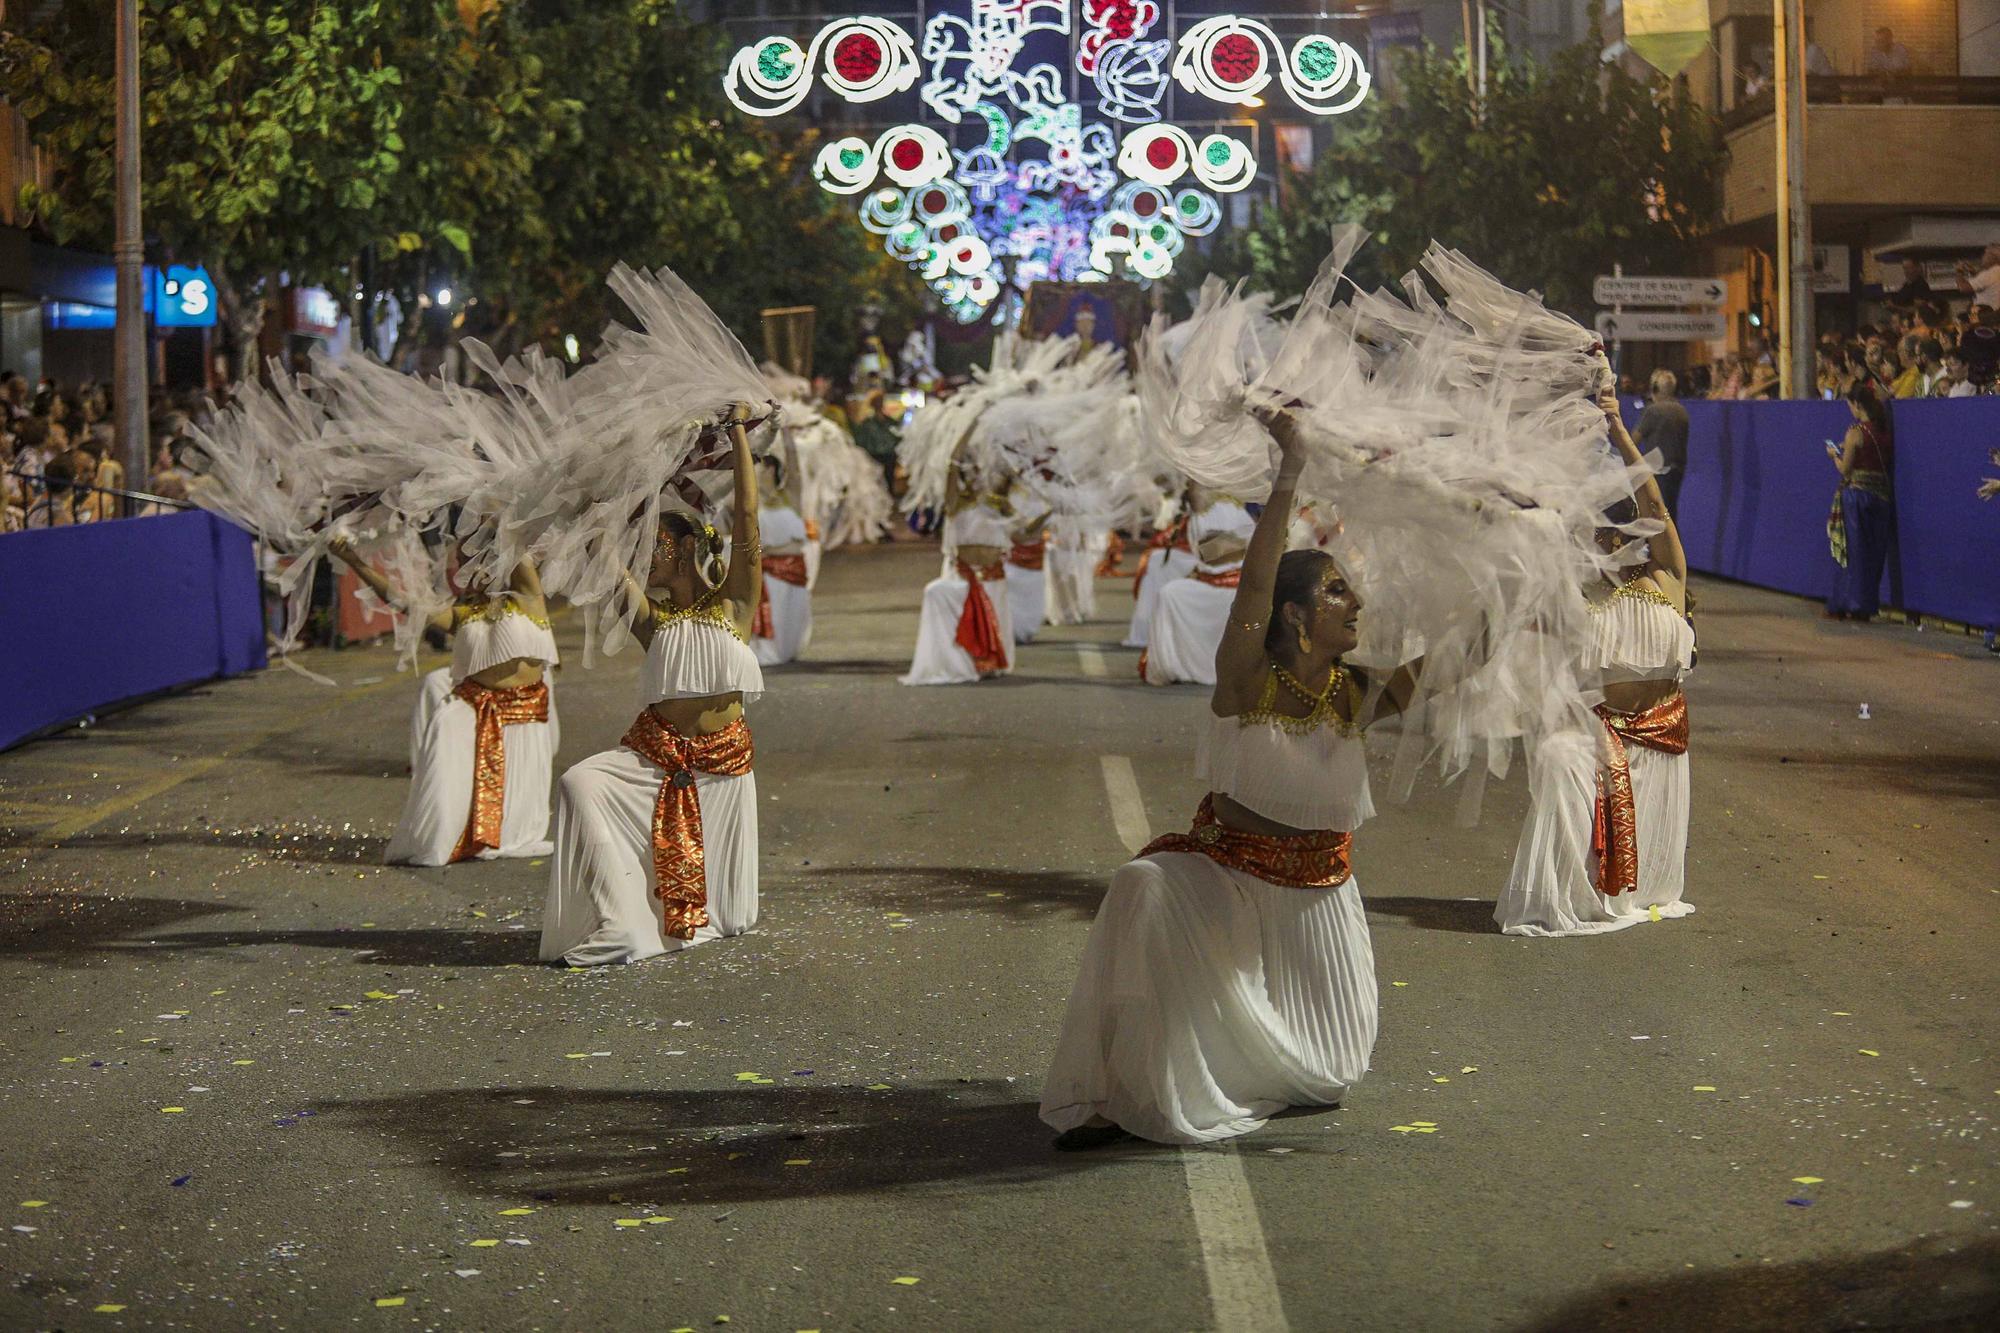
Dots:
pixel 484 1244
pixel 798 1161
pixel 172 1110
pixel 1704 1087
pixel 465 1272
pixel 906 1281
pixel 34 1203
pixel 107 1308
pixel 1866 1051
pixel 1808 1180
pixel 515 1212
pixel 387 1302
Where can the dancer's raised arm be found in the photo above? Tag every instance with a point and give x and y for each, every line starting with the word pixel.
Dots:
pixel 746 554
pixel 344 551
pixel 1241 660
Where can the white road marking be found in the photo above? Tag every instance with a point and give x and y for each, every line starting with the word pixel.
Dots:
pixel 1093 660
pixel 1242 1288
pixel 1128 809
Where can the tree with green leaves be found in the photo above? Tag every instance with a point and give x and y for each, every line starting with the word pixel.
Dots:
pixel 515 151
pixel 1565 168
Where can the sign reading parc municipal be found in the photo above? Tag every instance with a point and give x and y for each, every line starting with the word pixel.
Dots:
pixel 1608 290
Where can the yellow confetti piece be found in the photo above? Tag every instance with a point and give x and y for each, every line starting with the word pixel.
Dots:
pixel 629 1222
pixel 34 1203
pixel 365 924
pixel 1866 1051
pixel 677 1170
pixel 106 1308
pixel 1440 1079
pixel 1822 877
pixel 763 1081
pixel 1399 983
pixel 515 1212
pixel 906 1281
pixel 484 1244
pixel 577 1055
pixel 1424 1124
pixel 218 992
pixel 387 1302
pixel 1842 1013
pixel 876 1087
pixel 481 915
pixel 1653 913
pixel 1808 1180
pixel 1704 1087
pixel 378 995
pixel 1469 1069
pixel 890 916
pixel 798 1161
pixel 172 1110
pixel 1424 1129
pixel 748 1076
pixel 241 1063
pixel 71 1059
pixel 655 1221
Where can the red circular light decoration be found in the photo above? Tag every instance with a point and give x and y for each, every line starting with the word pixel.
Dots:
pixel 948 233
pixel 857 57
pixel 965 255
pixel 1145 205
pixel 906 154
pixel 1235 59
pixel 1163 154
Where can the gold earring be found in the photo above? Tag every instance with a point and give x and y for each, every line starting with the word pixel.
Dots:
pixel 1305 641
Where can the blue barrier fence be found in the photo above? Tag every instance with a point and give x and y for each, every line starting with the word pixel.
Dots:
pixel 102 612
pixel 1753 505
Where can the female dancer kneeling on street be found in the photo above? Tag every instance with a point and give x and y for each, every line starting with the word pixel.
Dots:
pixel 656 841
pixel 484 734
pixel 1229 973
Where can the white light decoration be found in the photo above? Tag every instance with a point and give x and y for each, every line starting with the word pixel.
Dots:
pixel 1229 59
pixel 1108 24
pixel 973 59
pixel 865 59
pixel 1162 154
pixel 1131 79
pixel 909 155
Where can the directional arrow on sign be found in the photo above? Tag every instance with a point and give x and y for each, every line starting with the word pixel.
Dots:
pixel 1661 326
pixel 1629 290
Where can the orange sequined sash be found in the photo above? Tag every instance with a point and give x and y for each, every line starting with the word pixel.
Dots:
pixel 1027 555
pixel 1228 578
pixel 680 866
pixel 979 623
pixel 786 569
pixel 1303 861
pixel 1614 828
pixel 492 710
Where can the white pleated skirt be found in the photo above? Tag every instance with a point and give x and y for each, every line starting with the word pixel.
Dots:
pixel 601 906
pixel 443 735
pixel 1072 568
pixel 1163 568
pixel 1549 891
pixel 791 623
pixel 1208 1000
pixel 1027 598
pixel 1187 629
pixel 938 659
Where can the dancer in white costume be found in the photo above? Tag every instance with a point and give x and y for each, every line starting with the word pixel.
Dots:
pixel 1168 556
pixel 782 626
pixel 1605 844
pixel 966 632
pixel 1229 974
pixel 656 841
pixel 1189 617
pixel 484 733
pixel 1075 552
pixel 1027 571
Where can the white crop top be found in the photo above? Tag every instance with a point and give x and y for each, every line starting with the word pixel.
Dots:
pixel 483 637
pixel 1224 518
pixel 976 525
pixel 695 653
pixel 780 526
pixel 1308 772
pixel 1638 635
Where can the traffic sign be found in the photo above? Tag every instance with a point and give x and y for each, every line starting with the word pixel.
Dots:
pixel 1629 290
pixel 1660 326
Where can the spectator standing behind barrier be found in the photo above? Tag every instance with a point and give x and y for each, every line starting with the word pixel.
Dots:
pixel 1982 279
pixel 1664 426
pixel 56 508
pixel 1889 58
pixel 1863 519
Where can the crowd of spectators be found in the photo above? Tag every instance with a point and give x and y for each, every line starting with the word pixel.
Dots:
pixel 59 460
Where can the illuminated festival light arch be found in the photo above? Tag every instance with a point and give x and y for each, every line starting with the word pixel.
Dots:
pixel 1049 186
pixel 1229 59
pixel 866 59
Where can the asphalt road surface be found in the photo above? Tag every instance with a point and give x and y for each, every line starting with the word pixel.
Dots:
pixel 255 1079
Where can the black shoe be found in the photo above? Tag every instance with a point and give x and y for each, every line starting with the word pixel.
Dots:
pixel 1085 1137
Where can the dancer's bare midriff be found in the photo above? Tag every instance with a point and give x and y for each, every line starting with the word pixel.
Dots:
pixel 701 715
pixel 511 674
pixel 1234 814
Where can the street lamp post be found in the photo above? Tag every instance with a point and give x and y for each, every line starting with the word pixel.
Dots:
pixel 1795 294
pixel 128 377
